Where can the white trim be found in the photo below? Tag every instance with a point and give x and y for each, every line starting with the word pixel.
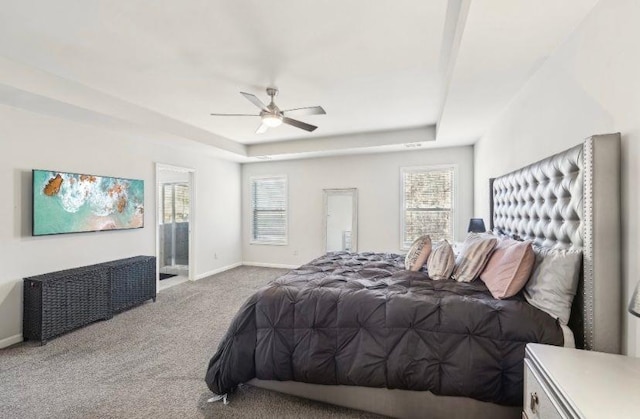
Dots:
pixel 217 271
pixel 271 265
pixel 454 192
pixel 11 340
pixel 174 168
pixel 192 223
pixel 285 241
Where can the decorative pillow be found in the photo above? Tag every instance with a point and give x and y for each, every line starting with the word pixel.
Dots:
pixel 554 281
pixel 501 233
pixel 457 248
pixel 441 261
pixel 508 268
pixel 474 256
pixel 498 232
pixel 418 253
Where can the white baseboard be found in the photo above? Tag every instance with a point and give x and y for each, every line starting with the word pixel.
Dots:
pixel 11 340
pixel 270 265
pixel 217 271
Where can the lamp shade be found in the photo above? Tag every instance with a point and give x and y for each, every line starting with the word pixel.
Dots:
pixel 634 304
pixel 476 225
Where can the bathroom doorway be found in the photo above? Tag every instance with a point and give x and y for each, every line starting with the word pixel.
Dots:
pixel 175 224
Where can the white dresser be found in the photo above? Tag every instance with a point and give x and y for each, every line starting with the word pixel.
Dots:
pixel 569 383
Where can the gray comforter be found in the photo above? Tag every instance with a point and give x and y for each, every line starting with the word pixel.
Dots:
pixel 361 319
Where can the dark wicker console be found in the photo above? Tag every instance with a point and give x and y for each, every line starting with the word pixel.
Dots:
pixel 133 281
pixel 59 302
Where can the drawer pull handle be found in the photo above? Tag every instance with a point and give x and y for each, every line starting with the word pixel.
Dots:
pixel 533 402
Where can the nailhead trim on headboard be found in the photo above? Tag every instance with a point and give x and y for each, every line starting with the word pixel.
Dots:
pixel 587 252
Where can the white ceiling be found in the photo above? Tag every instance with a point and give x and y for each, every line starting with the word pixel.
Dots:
pixel 379 66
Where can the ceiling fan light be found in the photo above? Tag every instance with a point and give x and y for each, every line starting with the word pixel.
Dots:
pixel 272 121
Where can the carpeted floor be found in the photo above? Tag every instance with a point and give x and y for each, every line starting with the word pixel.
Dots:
pixel 148 362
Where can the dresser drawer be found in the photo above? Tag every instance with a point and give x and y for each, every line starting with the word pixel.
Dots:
pixel 537 403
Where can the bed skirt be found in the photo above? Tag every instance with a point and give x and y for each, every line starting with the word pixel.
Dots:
pixel 394 403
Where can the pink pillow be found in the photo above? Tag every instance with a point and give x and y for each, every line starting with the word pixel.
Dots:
pixel 509 267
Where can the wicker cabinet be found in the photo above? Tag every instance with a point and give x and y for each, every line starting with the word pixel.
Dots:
pixel 59 302
pixel 133 281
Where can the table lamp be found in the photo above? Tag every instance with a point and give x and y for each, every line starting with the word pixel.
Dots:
pixel 476 225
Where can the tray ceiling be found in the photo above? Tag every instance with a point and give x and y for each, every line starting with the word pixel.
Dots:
pixel 373 66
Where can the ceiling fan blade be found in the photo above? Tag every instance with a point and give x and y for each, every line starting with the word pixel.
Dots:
pixel 254 99
pixel 299 124
pixel 262 129
pixel 233 114
pixel 310 110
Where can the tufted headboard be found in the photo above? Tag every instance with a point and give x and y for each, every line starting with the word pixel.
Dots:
pixel 571 200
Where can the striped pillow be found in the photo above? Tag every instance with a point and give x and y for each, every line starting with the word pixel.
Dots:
pixel 441 261
pixel 418 253
pixel 474 256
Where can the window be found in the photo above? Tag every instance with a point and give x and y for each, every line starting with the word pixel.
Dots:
pixel 269 210
pixel 427 203
pixel 175 203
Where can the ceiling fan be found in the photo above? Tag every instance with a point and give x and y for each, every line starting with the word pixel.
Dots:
pixel 272 116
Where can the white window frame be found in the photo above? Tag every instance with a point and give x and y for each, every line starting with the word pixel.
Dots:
pixel 454 189
pixel 252 240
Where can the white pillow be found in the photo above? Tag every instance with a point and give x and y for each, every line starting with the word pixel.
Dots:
pixel 554 281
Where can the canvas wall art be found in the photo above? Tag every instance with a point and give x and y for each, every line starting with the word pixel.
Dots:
pixel 73 203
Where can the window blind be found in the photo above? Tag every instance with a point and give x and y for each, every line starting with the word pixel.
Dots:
pixel 175 203
pixel 269 207
pixel 427 204
pixel 182 198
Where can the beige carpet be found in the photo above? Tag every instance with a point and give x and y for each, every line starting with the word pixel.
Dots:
pixel 148 362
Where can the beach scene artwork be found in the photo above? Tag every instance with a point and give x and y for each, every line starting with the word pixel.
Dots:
pixel 73 203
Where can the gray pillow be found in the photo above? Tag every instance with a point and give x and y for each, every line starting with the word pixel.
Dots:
pixel 554 281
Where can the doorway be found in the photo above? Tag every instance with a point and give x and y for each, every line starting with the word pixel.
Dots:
pixel 341 220
pixel 175 225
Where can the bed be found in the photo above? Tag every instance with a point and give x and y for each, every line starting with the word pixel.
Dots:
pixel 360 331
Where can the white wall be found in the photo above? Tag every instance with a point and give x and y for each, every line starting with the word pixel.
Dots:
pixel 377 177
pixel 31 141
pixel 590 85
